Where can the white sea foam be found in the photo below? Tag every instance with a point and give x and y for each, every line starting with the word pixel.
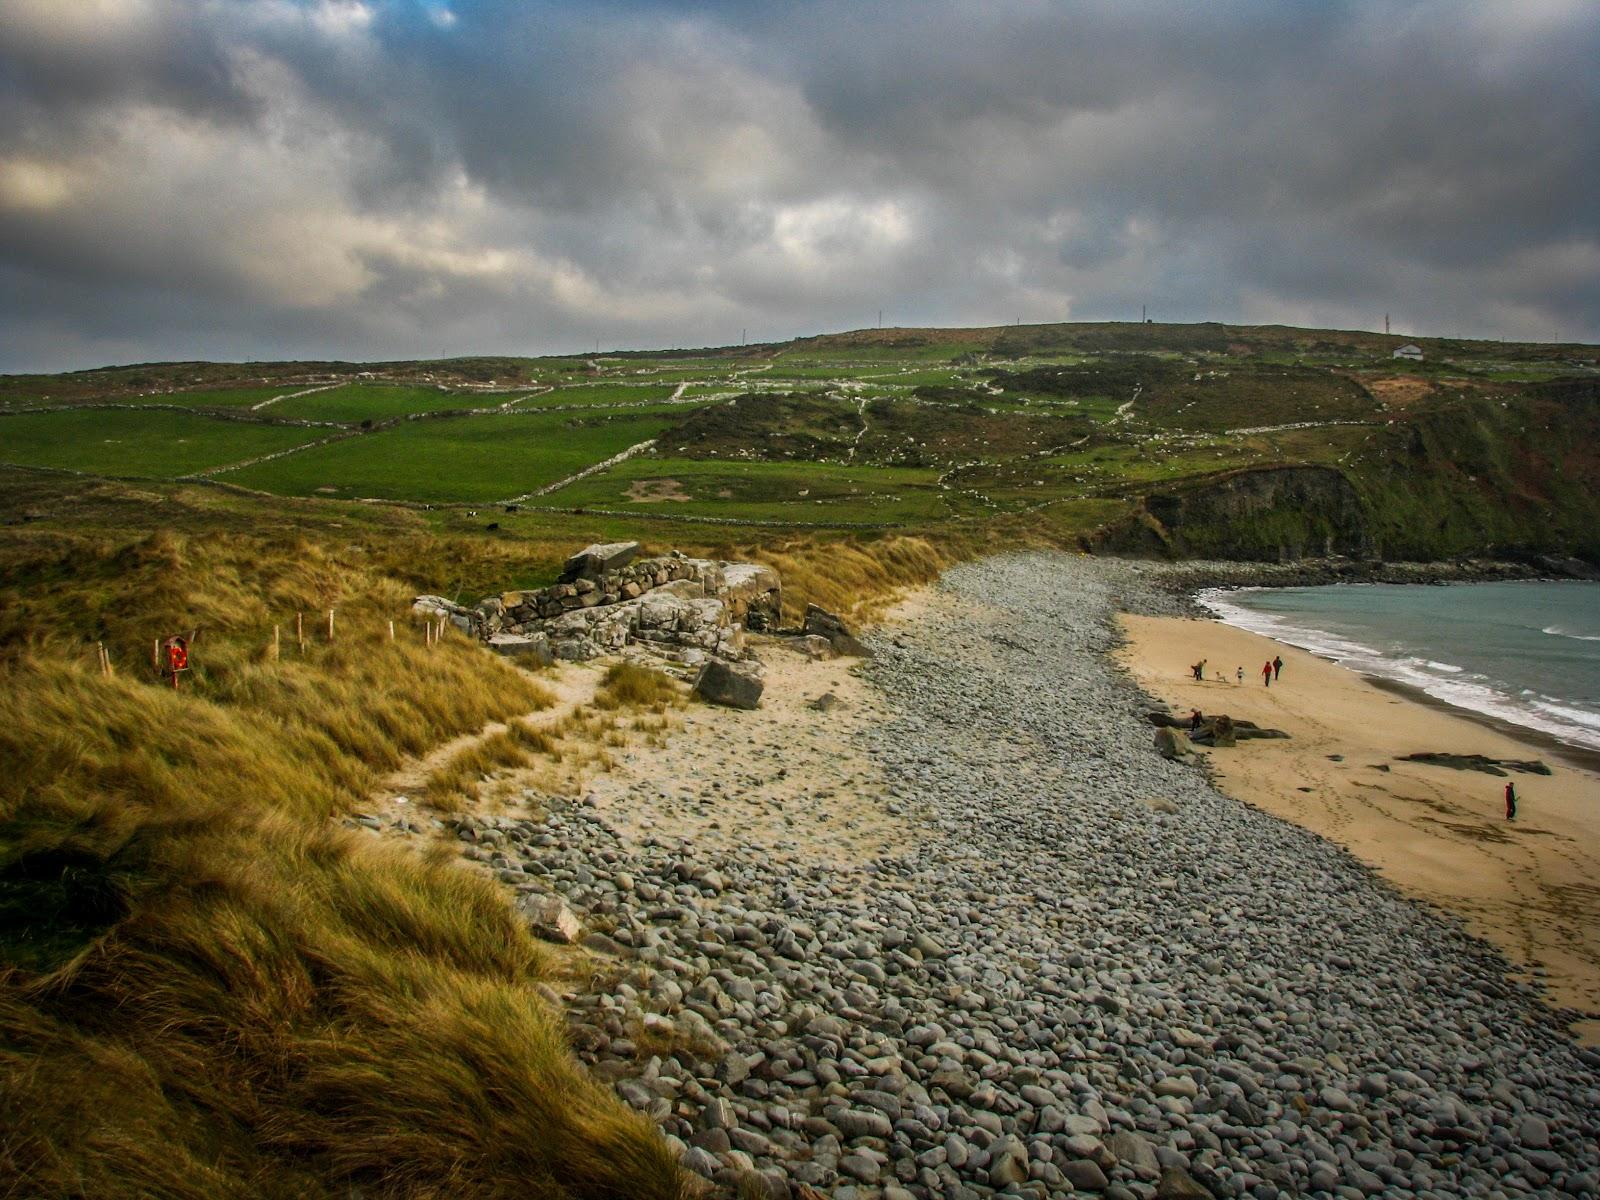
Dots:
pixel 1449 682
pixel 1557 631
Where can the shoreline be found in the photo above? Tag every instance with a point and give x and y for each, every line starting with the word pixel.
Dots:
pixel 1583 758
pixel 1437 833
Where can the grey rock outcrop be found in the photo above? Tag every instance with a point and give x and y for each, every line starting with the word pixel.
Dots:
pixel 722 683
pixel 528 650
pixel 819 622
pixel 593 561
pixel 675 607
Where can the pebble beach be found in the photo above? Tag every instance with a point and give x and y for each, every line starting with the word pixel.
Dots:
pixel 943 924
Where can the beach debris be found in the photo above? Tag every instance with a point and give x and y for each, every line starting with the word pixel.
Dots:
pixel 823 702
pixel 1220 730
pixel 1478 762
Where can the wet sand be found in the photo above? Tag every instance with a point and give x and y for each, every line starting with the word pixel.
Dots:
pixel 1530 886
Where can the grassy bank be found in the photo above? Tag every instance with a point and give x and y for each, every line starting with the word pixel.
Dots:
pixel 213 988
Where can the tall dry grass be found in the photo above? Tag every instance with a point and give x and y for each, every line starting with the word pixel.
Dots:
pixel 206 987
pixel 858 579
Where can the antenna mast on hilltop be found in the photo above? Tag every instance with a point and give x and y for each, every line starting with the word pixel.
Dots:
pixel 1385 324
pixel 1143 313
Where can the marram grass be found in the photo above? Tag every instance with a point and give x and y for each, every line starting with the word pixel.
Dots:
pixel 210 989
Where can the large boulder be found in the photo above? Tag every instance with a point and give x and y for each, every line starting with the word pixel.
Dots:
pixel 1172 743
pixel 528 650
pixel 820 622
pixel 723 683
pixel 593 561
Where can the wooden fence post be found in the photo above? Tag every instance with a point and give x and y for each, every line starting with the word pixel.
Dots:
pixel 276 649
pixel 330 624
pixel 300 630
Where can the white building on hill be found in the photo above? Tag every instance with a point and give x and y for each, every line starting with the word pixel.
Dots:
pixel 1408 351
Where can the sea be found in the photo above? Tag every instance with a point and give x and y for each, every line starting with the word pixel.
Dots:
pixel 1526 652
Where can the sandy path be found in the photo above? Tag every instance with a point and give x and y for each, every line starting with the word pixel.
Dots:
pixel 572 685
pixel 786 777
pixel 1532 887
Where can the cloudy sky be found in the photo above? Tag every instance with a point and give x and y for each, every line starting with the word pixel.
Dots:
pixel 405 178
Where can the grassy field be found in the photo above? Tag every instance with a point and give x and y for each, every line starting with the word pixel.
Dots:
pixel 42 396
pixel 609 392
pixel 357 402
pixel 244 397
pixel 473 460
pixel 156 445
pixel 811 492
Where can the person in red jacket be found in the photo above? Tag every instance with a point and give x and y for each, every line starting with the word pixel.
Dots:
pixel 1266 674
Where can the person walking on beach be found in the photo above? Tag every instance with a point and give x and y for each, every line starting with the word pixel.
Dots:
pixel 1239 674
pixel 1511 801
pixel 1277 666
pixel 1266 675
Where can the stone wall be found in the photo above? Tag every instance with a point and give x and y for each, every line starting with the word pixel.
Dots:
pixel 674 605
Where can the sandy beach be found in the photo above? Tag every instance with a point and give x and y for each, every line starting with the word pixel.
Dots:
pixel 1532 886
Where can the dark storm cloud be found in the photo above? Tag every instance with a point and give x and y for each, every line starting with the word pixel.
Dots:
pixel 311 177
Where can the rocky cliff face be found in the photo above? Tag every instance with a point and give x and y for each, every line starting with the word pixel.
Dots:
pixel 1514 476
pixel 1273 514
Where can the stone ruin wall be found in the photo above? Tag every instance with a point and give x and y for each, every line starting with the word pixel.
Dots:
pixel 678 608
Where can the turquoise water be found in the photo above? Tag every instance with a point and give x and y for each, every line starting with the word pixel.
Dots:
pixel 1525 652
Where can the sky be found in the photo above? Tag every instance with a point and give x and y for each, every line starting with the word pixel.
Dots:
pixel 370 179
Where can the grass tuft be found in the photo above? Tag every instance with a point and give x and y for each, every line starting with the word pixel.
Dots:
pixel 633 686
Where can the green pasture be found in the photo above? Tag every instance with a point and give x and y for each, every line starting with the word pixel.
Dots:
pixel 1100 468
pixel 470 459
pixel 227 397
pixel 379 401
pixel 591 394
pixel 919 378
pixel 233 397
pixel 1097 408
pixel 733 388
pixel 787 491
pixel 154 444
